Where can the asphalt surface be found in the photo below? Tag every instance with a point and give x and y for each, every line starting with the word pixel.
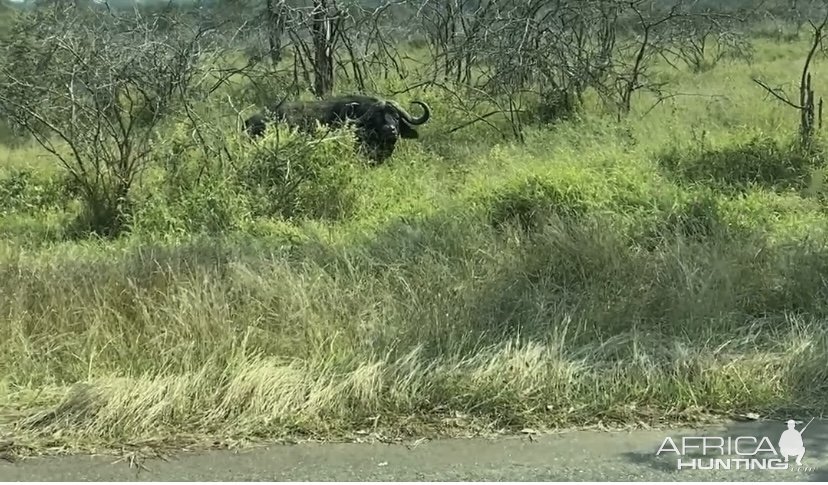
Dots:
pixel 568 456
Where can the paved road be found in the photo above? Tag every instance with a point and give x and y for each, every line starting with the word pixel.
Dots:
pixel 570 456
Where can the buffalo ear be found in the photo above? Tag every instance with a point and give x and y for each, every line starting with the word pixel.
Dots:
pixel 406 131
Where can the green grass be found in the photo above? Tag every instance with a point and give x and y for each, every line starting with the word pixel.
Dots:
pixel 661 269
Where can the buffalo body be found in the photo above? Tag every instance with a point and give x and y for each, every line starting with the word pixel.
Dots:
pixel 379 123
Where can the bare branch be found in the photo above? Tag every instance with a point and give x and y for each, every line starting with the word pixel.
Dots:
pixel 777 93
pixel 111 81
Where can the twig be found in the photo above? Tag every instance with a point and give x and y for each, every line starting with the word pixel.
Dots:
pixel 776 95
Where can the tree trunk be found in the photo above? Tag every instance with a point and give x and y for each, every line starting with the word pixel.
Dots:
pixel 276 28
pixel 322 27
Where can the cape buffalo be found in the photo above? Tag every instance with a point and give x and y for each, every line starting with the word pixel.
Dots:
pixel 379 123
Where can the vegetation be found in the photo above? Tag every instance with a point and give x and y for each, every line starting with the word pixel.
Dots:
pixel 615 223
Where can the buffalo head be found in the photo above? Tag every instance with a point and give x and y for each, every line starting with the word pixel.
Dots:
pixel 386 120
pixel 380 123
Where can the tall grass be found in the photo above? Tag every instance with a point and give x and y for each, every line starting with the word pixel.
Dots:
pixel 659 269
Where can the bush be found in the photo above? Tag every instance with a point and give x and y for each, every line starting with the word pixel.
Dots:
pixel 296 176
pixel 285 175
pixel 24 191
pixel 213 207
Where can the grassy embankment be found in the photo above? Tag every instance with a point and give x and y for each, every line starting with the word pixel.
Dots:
pixel 604 272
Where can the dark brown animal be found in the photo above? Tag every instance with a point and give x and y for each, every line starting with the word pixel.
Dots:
pixel 379 123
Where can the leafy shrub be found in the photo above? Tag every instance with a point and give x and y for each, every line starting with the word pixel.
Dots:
pixel 24 191
pixel 292 175
pixel 212 207
pixel 285 175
